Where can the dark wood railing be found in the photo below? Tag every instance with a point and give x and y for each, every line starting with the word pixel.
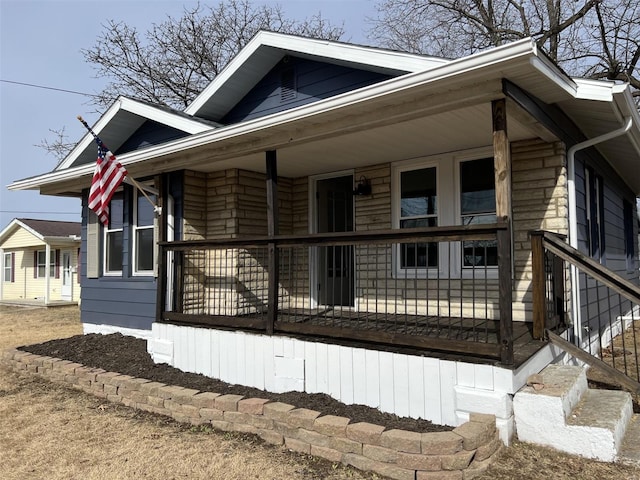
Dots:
pixel 608 337
pixel 357 291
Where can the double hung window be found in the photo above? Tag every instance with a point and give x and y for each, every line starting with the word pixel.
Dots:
pixel 418 208
pixel 143 234
pixel 453 189
pixel 7 267
pixel 113 236
pixel 477 206
pixel 41 264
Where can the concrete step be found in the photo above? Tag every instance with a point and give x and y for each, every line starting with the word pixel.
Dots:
pixel 629 452
pixel 564 414
pixel 605 414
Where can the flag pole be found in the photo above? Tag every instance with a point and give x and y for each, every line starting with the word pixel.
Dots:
pixel 128 179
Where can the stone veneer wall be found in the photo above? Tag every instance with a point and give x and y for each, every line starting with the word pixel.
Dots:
pixel 462 453
pixel 539 202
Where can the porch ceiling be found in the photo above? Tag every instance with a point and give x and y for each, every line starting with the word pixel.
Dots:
pixel 458 129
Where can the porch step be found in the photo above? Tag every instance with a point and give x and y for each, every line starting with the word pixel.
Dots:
pixel 566 415
pixel 630 450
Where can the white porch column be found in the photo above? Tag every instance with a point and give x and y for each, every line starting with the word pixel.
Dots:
pixel 47 276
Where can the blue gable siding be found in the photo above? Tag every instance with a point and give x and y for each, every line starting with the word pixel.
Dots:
pixel 310 81
pixel 150 133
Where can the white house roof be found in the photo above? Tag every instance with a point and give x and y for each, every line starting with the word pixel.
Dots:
pixel 450 100
pixel 266 49
pixel 121 119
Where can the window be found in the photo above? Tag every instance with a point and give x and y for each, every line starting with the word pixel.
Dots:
pixel 41 264
pixel 629 237
pixel 418 208
pixel 143 234
pixel 113 236
pixel 8 267
pixel 477 206
pixel 448 189
pixel 595 214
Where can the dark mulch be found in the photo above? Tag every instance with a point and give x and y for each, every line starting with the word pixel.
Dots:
pixel 128 355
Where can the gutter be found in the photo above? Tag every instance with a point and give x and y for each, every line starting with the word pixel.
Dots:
pixel 573 220
pixel 477 64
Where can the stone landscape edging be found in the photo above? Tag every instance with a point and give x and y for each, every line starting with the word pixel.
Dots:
pixel 460 454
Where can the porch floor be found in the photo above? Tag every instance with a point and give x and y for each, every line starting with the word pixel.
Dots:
pixel 336 320
pixel 471 330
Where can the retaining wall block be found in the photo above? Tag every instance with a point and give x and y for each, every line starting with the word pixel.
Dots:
pixel 364 432
pixel 253 406
pixel 302 418
pixel 401 440
pixel 475 434
pixel 441 443
pixel 332 425
pixel 228 403
pixel 277 411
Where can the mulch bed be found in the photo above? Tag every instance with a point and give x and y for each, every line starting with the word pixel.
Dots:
pixel 128 355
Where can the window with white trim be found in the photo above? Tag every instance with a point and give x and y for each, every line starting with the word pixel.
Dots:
pixel 418 208
pixel 41 264
pixel 7 267
pixel 144 245
pixel 478 206
pixel 113 236
pixel 449 189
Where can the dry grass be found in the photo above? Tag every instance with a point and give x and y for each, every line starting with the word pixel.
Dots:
pixel 52 432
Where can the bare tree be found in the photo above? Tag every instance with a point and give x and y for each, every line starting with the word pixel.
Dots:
pixel 59 146
pixel 173 61
pixel 587 37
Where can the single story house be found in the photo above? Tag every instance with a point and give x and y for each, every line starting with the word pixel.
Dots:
pixel 366 223
pixel 27 247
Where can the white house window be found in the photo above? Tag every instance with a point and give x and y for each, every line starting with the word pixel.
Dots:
pixel 449 189
pixel 143 235
pixel 478 206
pixel 113 236
pixel 7 267
pixel 418 208
pixel 41 264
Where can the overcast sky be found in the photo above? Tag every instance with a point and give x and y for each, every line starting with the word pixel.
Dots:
pixel 40 45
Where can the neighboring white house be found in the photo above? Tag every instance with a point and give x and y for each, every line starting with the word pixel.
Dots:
pixel 27 246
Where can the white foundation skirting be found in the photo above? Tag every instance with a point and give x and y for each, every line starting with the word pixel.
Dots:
pixel 442 391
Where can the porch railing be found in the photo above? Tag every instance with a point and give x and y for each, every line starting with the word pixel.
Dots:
pixel 605 330
pixel 441 288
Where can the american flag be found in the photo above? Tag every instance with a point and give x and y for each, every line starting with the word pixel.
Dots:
pixel 107 177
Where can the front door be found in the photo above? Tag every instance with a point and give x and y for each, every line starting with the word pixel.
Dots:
pixel 67 284
pixel 334 207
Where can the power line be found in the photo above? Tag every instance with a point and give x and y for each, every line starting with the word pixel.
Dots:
pixel 47 213
pixel 44 87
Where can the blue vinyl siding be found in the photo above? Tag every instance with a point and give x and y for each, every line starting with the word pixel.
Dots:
pixel 614 191
pixel 124 301
pixel 312 81
pixel 150 133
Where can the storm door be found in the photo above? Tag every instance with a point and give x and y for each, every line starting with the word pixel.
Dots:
pixel 334 211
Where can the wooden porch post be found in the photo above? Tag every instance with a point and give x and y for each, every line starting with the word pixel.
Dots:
pixel 502 169
pixel 272 231
pixel 161 283
pixel 537 284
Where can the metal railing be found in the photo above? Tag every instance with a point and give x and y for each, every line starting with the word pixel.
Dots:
pixel 440 288
pixel 607 326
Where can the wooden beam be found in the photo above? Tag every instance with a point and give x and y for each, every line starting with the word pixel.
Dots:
pixel 272 231
pixel 505 298
pixel 501 158
pixel 538 284
pixel 161 292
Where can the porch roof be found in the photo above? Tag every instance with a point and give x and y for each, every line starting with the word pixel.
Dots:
pixel 432 111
